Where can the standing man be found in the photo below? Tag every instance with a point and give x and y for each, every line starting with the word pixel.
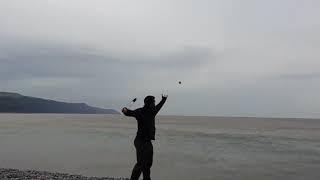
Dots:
pixel 146 133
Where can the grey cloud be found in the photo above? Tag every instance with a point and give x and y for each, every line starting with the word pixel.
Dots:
pixel 23 61
pixel 300 76
pixel 187 57
pixel 50 60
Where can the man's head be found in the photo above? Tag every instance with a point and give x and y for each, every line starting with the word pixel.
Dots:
pixel 149 101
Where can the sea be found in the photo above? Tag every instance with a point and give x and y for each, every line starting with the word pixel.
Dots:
pixel 186 147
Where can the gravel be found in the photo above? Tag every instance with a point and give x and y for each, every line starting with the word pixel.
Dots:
pixel 15 174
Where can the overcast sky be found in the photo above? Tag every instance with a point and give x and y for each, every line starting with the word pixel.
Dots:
pixel 234 57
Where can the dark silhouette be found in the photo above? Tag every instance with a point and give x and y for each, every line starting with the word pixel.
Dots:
pixel 145 117
pixel 17 103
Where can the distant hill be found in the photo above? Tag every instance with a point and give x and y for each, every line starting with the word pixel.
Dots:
pixel 17 103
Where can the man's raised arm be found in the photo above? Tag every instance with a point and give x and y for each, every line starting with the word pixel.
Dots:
pixel 161 103
pixel 128 112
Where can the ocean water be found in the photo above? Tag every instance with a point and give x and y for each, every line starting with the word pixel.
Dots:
pixel 189 148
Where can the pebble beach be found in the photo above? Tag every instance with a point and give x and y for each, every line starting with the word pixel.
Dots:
pixel 15 174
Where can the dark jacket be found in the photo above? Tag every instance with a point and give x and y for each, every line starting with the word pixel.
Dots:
pixel 146 120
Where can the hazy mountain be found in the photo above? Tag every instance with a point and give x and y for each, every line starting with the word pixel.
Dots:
pixel 17 103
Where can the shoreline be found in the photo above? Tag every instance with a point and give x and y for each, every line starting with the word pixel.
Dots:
pixel 17 174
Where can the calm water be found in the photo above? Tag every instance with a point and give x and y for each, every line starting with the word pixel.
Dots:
pixel 190 148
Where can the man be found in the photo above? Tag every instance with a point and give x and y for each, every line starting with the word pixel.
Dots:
pixel 146 133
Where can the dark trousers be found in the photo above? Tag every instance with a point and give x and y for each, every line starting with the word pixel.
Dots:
pixel 144 151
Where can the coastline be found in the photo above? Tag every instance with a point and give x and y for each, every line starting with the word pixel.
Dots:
pixel 17 174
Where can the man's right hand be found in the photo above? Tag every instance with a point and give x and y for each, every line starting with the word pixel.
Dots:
pixel 124 110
